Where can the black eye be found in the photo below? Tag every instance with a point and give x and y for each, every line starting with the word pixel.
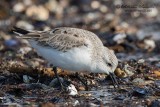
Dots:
pixel 54 30
pixel 109 64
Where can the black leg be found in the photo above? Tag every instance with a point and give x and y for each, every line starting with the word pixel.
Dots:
pixel 80 79
pixel 114 80
pixel 60 82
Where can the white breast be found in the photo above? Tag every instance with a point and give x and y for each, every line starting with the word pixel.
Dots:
pixel 76 59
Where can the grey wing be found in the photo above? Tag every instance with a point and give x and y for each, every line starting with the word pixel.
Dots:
pixel 62 39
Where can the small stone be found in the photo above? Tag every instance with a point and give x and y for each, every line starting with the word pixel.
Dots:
pixel 25 25
pixel 140 92
pixel 24 50
pixel 111 86
pixel 138 81
pixel 109 17
pixel 26 79
pixel 120 73
pixel 37 12
pixel 135 14
pixel 95 4
pixel 72 90
pixel 129 70
pixel 11 42
pixel 81 88
pixel 140 61
pixel 52 5
pixel 152 13
pixel 149 44
pixel 18 7
pixel 157 73
pixel 103 8
pixel 76 103
pixel 119 38
pixel 148 102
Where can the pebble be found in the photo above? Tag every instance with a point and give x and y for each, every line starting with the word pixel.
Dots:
pixel 24 50
pixel 37 12
pixel 11 42
pixel 120 73
pixel 27 79
pixel 76 103
pixel 148 102
pixel 52 5
pixel 149 44
pixel 19 7
pixel 141 61
pixel 81 88
pixel 109 16
pixel 72 90
pixel 129 70
pixel 138 81
pixel 140 92
pixel 119 38
pixel 25 25
pixel 95 4
pixel 103 8
pixel 152 13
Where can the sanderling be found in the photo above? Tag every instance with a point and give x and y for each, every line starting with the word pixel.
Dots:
pixel 72 49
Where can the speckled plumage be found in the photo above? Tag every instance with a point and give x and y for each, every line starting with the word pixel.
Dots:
pixel 70 42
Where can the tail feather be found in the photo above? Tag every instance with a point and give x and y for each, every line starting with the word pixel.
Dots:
pixel 19 31
pixel 24 33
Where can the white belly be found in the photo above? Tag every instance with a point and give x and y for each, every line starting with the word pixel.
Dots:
pixel 76 59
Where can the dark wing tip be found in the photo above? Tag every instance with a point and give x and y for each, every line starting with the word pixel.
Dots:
pixel 19 30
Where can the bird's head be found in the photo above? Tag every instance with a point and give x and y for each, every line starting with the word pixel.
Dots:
pixel 108 64
pixel 110 60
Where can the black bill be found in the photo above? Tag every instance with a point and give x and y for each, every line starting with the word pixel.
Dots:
pixel 114 80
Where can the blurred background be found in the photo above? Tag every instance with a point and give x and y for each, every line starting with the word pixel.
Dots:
pixel 130 27
pixel 138 20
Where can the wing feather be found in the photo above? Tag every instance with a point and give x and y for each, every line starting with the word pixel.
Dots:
pixel 61 39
